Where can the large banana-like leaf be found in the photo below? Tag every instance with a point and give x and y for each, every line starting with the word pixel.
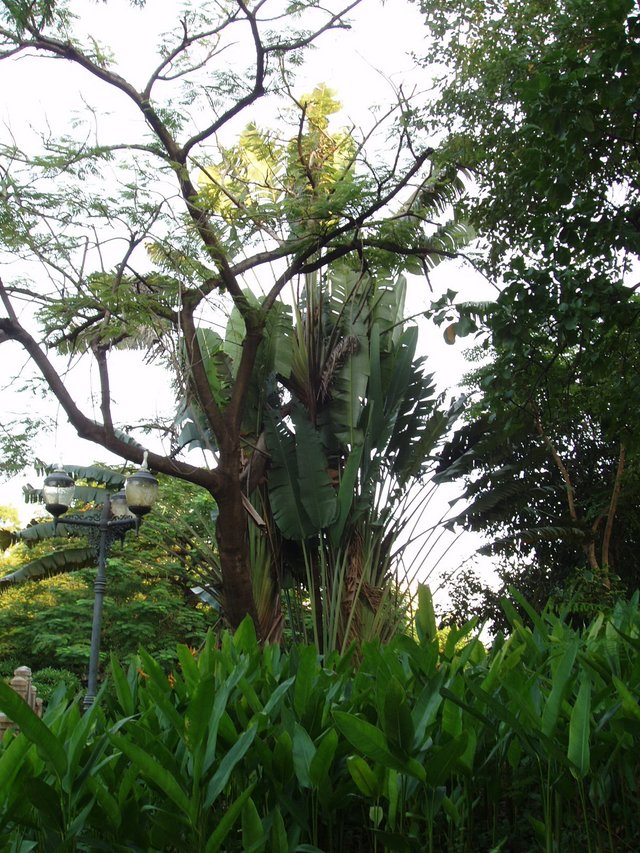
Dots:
pixel 346 494
pixel 284 490
pixel 349 391
pixel 302 495
pixel 194 431
pixel 40 531
pixel 317 491
pixel 217 365
pixel 60 562
pixel 388 307
pixel 93 473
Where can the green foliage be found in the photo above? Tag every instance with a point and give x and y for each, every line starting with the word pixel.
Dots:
pixel 420 748
pixel 158 224
pixel 540 101
pixel 550 449
pixel 48 680
pixel 48 623
pixel 15 443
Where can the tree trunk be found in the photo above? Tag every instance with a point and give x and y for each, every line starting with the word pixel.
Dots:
pixel 233 545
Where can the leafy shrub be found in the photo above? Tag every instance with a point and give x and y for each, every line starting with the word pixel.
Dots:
pixel 47 680
pixel 531 745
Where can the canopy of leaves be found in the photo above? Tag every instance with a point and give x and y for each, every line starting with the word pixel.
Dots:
pixel 541 101
pixel 543 106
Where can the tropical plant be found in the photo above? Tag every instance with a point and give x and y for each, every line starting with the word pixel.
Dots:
pixel 549 459
pixel 538 101
pixel 349 423
pixel 531 745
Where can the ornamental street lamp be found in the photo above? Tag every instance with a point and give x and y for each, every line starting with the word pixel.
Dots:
pixel 121 512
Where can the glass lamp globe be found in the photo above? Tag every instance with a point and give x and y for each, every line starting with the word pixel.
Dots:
pixel 57 492
pixel 141 490
pixel 119 506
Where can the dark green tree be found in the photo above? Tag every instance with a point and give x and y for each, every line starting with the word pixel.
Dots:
pixel 540 103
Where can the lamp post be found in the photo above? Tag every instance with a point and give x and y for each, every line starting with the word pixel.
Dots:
pixel 121 512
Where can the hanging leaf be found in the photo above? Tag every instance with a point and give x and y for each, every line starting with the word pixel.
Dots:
pixel 57 563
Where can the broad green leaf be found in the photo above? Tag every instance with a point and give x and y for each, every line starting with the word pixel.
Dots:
pixel 227 764
pixel 317 492
pixel 441 761
pixel 580 730
pixel 363 776
pixel 188 666
pixel 304 751
pixel 278 834
pixel 397 722
pixel 629 701
pixel 283 758
pixel 283 482
pixel 122 687
pixel 226 822
pixel 12 757
pixel 245 638
pixel 561 675
pixel 219 707
pixel 372 743
pixel 198 712
pixel 33 728
pixel 59 562
pixel 425 616
pixel 276 697
pixel 154 772
pixel 346 492
pixel 452 711
pixel 323 758
pixel 426 707
pixel 253 834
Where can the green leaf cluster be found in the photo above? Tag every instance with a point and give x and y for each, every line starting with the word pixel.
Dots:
pixel 420 747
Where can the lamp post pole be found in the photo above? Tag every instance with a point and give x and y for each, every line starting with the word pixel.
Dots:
pixel 99 587
pixel 127 508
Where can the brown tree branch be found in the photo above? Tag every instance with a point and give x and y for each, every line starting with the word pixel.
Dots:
pixel 587 547
pixel 100 354
pixel 564 473
pixel 91 430
pixel 198 382
pixel 257 90
pixel 613 506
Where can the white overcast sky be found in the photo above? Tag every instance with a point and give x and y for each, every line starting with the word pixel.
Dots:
pixel 363 66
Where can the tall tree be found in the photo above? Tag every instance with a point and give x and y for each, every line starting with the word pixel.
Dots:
pixel 541 104
pixel 140 239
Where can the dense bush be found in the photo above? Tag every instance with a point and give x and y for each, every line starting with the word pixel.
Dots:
pixel 531 745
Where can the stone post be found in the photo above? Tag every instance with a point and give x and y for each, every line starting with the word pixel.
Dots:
pixel 23 686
